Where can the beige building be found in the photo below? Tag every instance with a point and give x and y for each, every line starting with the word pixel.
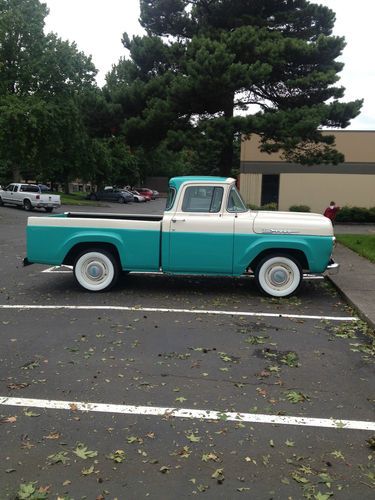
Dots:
pixel 266 178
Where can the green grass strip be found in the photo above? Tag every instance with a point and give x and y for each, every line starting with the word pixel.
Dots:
pixel 363 244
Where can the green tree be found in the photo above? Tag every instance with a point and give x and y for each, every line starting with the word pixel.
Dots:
pixel 42 133
pixel 226 67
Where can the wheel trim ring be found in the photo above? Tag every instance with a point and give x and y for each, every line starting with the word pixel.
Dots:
pixel 89 282
pixel 273 265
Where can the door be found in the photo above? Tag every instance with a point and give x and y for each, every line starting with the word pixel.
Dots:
pixel 201 233
pixel 8 192
pixel 270 189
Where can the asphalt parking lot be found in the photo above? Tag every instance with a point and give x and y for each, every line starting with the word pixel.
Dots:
pixel 171 387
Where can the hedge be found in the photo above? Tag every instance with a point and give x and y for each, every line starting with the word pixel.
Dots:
pixel 356 214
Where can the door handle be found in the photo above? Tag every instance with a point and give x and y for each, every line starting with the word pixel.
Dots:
pixel 177 219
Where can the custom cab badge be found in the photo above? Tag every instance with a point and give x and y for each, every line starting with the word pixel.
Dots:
pixel 279 231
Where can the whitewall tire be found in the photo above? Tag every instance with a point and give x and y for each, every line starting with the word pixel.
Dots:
pixel 96 270
pixel 278 275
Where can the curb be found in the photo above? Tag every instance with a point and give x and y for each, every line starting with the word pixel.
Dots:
pixel 363 316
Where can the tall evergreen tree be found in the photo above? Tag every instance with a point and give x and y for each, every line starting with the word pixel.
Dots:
pixel 226 67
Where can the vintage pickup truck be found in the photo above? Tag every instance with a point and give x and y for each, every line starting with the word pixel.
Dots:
pixel 206 229
pixel 28 196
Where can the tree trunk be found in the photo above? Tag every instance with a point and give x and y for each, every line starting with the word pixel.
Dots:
pixel 16 173
pixel 226 153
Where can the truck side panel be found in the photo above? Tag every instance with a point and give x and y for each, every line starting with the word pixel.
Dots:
pixel 50 239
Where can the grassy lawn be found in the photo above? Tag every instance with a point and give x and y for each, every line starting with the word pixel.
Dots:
pixel 363 244
pixel 76 199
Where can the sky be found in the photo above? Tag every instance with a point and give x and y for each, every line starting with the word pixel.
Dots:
pixel 96 26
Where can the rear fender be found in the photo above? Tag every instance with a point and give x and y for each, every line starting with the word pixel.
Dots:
pixel 92 239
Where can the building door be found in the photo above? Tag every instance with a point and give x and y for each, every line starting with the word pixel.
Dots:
pixel 270 189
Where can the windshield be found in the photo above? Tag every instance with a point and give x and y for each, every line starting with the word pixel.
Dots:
pixel 235 201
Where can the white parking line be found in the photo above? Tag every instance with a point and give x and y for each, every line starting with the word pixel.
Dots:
pixel 169 310
pixel 188 413
pixel 58 269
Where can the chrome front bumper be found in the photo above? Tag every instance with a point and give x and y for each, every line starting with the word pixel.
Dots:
pixel 333 267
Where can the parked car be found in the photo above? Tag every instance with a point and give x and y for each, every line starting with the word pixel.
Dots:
pixel 147 193
pixel 44 188
pixel 112 194
pixel 29 196
pixel 138 197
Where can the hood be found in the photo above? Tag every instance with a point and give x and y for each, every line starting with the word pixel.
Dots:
pixel 292 223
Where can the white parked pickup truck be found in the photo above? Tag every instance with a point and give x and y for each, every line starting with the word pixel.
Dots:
pixel 28 196
pixel 206 229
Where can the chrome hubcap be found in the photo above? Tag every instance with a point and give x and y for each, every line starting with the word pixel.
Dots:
pixel 95 271
pixel 279 276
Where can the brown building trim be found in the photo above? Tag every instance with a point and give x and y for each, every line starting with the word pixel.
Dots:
pixel 280 167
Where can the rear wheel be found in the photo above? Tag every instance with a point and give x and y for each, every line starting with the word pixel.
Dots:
pixel 278 275
pixel 27 205
pixel 93 197
pixel 49 209
pixel 121 199
pixel 96 270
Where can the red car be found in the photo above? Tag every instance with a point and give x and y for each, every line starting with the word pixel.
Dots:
pixel 147 193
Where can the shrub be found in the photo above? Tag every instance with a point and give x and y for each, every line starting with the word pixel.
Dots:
pixel 356 214
pixel 268 206
pixel 299 208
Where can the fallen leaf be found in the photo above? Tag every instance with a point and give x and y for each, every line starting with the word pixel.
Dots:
pixel 193 438
pixel 53 435
pixel 83 452
pixel 218 475
pixel 30 413
pixel 118 456
pixel 59 457
pixel 88 471
pixel 164 469
pixel 8 420
pixel 209 456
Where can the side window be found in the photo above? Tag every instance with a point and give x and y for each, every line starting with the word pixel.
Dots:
pixel 171 198
pixel 15 189
pixel 9 188
pixel 235 202
pixel 202 199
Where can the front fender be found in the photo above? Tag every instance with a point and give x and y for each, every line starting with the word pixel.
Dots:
pixel 317 249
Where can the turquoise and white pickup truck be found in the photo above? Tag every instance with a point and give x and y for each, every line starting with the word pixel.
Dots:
pixel 206 229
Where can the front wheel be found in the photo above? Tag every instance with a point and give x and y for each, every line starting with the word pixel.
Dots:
pixel 278 275
pixel 96 270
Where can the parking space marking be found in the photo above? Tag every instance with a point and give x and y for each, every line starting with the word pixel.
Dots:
pixel 170 310
pixel 58 269
pixel 188 413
